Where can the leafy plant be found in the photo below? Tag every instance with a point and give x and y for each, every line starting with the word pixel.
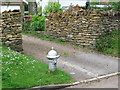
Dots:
pixel 52 7
pixel 36 23
pixel 25 25
pixel 65 53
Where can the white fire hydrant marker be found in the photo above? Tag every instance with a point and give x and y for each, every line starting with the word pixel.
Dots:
pixel 52 59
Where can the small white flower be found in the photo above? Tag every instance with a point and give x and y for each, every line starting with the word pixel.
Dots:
pixel 7 69
pixel 8 48
pixel 15 73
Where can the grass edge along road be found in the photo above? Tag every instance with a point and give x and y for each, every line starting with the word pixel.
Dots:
pixel 106 44
pixel 59 41
pixel 20 71
pixel 44 37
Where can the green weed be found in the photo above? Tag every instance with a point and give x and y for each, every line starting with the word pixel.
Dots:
pixel 65 53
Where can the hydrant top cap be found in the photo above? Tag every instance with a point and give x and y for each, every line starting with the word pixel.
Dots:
pixel 52 53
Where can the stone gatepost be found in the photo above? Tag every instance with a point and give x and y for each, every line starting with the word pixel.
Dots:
pixel 32 7
pixel 11 29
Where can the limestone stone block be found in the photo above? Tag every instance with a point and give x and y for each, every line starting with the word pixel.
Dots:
pixel 8 36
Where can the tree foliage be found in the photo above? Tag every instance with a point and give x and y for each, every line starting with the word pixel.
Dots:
pixel 115 5
pixel 52 7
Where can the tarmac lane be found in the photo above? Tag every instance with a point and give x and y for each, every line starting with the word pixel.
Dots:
pixel 79 65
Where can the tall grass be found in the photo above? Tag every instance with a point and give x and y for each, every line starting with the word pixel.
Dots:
pixel 108 43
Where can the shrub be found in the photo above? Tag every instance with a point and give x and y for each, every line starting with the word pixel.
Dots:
pixel 36 23
pixel 25 25
pixel 52 7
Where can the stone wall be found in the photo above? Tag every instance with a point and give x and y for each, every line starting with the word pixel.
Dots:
pixel 81 27
pixel 11 29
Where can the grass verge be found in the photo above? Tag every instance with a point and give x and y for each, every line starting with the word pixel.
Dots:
pixel 57 41
pixel 44 37
pixel 108 43
pixel 20 71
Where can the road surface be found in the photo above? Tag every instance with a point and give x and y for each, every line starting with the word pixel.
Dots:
pixel 80 65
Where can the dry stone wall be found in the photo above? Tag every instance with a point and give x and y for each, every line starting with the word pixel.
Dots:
pixel 81 27
pixel 11 29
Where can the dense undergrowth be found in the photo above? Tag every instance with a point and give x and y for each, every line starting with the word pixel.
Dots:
pixel 108 43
